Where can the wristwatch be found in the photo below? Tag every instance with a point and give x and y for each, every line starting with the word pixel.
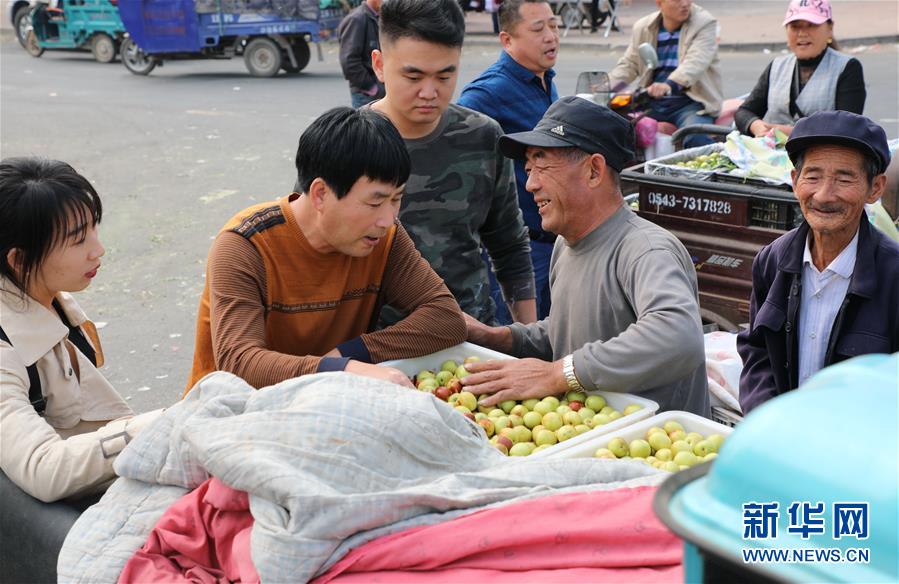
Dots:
pixel 568 372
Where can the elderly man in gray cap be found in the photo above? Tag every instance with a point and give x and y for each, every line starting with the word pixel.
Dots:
pixel 829 289
pixel 625 308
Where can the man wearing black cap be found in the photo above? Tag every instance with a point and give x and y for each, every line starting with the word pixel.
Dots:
pixel 829 289
pixel 625 309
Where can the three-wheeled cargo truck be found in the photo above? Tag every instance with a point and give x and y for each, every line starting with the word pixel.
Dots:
pixel 75 24
pixel 270 35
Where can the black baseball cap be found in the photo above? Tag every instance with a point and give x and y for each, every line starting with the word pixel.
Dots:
pixel 575 121
pixel 841 128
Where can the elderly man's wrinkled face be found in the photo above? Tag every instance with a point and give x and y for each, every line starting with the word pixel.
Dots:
pixel 553 179
pixel 832 188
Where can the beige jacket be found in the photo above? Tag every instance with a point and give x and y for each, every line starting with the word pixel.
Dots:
pixel 697 57
pixel 70 451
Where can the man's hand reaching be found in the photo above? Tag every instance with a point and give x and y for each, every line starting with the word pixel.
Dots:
pixel 517 379
pixel 378 372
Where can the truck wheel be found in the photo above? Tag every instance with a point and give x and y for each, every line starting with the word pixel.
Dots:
pixel 262 57
pixel 22 24
pixel 31 45
pixel 301 52
pixel 103 48
pixel 135 59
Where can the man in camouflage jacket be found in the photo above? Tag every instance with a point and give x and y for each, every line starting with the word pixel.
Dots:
pixel 461 193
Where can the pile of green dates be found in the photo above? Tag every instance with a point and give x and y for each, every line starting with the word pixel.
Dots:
pixel 713 161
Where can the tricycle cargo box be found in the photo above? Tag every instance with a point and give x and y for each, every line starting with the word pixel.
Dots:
pixel 806 488
pixel 739 203
pixel 460 352
pixel 723 226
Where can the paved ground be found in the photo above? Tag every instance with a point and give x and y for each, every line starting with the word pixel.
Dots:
pixel 175 154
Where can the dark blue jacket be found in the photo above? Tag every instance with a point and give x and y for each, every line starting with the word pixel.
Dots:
pixel 867 322
pixel 516 98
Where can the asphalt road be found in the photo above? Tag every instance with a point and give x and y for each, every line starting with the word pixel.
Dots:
pixel 175 154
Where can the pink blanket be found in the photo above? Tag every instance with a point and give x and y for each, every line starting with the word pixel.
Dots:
pixel 204 538
pixel 608 536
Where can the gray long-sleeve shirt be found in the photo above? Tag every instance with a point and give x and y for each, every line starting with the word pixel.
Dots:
pixel 625 303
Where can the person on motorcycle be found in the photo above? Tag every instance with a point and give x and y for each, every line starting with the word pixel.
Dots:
pixel 686 85
pixel 813 77
pixel 63 423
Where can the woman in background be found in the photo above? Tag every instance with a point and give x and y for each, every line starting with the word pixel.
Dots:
pixel 813 77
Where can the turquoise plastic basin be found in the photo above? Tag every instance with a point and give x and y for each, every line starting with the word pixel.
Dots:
pixel 835 440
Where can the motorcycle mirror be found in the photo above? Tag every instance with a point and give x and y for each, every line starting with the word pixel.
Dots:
pixel 648 53
pixel 594 83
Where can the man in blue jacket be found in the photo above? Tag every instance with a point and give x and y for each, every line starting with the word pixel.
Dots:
pixel 829 289
pixel 516 91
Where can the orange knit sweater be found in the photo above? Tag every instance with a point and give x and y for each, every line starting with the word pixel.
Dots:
pixel 273 305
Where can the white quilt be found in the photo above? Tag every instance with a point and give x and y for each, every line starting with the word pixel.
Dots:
pixel 330 461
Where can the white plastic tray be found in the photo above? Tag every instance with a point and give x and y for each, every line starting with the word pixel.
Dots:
pixel 691 423
pixel 457 353
pixel 619 401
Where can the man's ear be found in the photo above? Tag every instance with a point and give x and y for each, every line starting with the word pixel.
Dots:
pixel 878 185
pixel 597 169
pixel 505 39
pixel 377 63
pixel 318 193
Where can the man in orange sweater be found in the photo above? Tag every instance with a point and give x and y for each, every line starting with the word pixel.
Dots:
pixel 294 286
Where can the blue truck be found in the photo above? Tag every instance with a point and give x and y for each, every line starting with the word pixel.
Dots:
pixel 270 35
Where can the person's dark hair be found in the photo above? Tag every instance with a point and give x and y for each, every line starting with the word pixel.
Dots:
pixel 436 21
pixel 510 13
pixel 870 164
pixel 43 204
pixel 345 144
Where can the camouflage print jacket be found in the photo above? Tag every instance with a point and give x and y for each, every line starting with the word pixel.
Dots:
pixel 461 194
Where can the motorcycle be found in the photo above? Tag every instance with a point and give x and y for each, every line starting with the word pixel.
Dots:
pixel 634 103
